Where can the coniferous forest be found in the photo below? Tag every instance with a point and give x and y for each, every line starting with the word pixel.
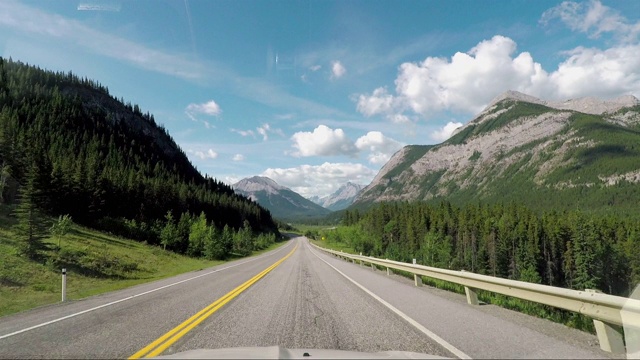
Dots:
pixel 570 249
pixel 567 249
pixel 67 147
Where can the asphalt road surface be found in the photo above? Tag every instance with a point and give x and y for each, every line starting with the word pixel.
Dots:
pixel 309 300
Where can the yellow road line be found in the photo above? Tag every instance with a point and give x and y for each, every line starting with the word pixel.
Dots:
pixel 168 339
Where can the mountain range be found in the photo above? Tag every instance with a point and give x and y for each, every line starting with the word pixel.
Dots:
pixel 281 201
pixel 580 153
pixel 341 198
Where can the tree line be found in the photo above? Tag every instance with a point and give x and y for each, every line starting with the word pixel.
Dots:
pixel 569 249
pixel 68 147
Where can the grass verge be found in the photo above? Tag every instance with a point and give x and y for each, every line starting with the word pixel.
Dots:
pixel 101 263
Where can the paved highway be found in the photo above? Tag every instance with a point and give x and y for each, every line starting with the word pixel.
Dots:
pixel 307 300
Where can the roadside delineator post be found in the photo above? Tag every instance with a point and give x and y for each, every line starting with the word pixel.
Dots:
pixel 472 295
pixel 609 336
pixel 361 262
pixel 417 280
pixel 388 270
pixel 64 284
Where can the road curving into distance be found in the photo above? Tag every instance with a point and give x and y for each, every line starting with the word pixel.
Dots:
pixel 294 297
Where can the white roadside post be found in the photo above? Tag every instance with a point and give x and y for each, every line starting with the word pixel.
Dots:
pixel 416 279
pixel 361 262
pixel 388 270
pixel 64 284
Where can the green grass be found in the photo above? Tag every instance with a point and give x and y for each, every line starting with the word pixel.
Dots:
pixel 107 263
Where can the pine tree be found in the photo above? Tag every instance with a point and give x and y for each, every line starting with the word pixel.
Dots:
pixel 31 227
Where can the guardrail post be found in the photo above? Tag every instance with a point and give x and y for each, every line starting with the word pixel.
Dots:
pixel 417 280
pixel 472 295
pixel 388 270
pixel 64 284
pixel 609 336
pixel 361 262
pixel 373 267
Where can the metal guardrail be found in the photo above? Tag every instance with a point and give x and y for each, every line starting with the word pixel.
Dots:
pixel 609 312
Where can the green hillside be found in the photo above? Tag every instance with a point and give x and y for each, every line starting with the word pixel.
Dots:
pixel 69 147
pixel 590 163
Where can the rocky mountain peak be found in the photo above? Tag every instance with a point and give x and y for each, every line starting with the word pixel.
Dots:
pixel 258 183
pixel 516 96
pixel 588 105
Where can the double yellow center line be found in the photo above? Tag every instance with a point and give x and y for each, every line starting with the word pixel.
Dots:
pixel 168 339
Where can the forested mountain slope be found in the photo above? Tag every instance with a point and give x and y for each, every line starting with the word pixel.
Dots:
pixel 85 153
pixel 580 153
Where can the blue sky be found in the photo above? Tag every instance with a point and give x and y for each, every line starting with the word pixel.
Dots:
pixel 317 93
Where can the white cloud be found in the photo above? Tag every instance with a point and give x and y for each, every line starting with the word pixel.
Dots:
pixel 399 118
pixel 469 81
pixel 315 68
pixel 238 157
pixel 380 147
pixel 337 70
pixel 266 129
pixel 244 133
pixel 594 72
pixel 594 19
pixel 323 141
pixel 210 154
pixel 320 180
pixel 379 102
pixel 445 132
pixel 209 108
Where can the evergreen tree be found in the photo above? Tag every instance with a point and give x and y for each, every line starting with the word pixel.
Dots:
pixel 31 226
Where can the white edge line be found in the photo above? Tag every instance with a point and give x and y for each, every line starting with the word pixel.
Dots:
pixel 406 317
pixel 130 297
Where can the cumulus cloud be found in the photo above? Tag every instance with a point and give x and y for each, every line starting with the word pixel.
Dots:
pixel 320 180
pixel 209 154
pixel 210 108
pixel 380 147
pixel 323 141
pixel 592 18
pixel 594 72
pixel 445 132
pixel 238 157
pixel 467 82
pixel 337 70
pixel 380 101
